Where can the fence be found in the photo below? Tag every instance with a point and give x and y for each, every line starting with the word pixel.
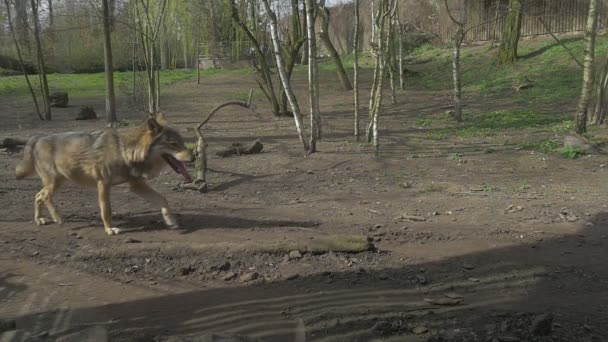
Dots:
pixel 487 17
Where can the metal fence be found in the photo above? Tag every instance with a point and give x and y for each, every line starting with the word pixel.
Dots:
pixel 539 17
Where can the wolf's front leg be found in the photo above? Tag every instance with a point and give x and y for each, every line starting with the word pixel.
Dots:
pixel 139 187
pixel 103 193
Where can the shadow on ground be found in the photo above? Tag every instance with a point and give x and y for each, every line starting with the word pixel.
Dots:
pixel 502 290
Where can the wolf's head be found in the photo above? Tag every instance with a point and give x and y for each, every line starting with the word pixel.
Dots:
pixel 169 144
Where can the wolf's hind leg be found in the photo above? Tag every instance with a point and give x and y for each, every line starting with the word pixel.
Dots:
pixel 50 205
pixel 45 196
pixel 142 189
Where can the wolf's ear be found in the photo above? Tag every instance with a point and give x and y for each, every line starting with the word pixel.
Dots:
pixel 154 126
pixel 160 118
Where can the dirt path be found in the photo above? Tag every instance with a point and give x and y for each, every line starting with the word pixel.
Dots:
pixel 516 234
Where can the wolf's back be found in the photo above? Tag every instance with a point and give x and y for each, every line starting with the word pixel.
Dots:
pixel 26 166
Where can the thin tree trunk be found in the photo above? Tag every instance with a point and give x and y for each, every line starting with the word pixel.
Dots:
pixel 599 115
pixel 373 34
pixel 457 43
pixel 304 59
pixel 20 56
pixel 21 24
pixel 109 66
pixel 590 35
pixel 507 52
pixel 456 75
pixel 281 70
pixel 51 17
pixel 41 66
pixel 267 86
pixel 390 60
pixel 356 71
pixel 313 80
pixel 401 70
pixel 324 35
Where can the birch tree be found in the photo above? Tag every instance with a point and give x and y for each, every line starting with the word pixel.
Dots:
pixel 588 68
pixel 356 69
pixel 149 19
pixel 108 65
pixel 386 8
pixel 313 76
pixel 44 84
pixel 297 114
pixel 457 41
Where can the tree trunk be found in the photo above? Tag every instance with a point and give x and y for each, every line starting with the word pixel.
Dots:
pixel 599 115
pixel 456 74
pixel 356 70
pixel 590 35
pixel 41 66
pixel 21 24
pixel 20 56
pixel 304 59
pixel 507 53
pixel 109 66
pixel 313 76
pixel 401 70
pixel 51 18
pixel 281 70
pixel 266 85
pixel 457 43
pixel 324 35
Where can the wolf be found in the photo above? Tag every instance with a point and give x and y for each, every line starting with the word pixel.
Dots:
pixel 103 159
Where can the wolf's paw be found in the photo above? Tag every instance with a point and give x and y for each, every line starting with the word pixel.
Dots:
pixel 173 225
pixel 113 231
pixel 170 221
pixel 41 221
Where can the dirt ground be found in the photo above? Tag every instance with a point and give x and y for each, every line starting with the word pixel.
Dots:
pixel 503 246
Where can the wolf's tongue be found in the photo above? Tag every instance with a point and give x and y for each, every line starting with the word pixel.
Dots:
pixel 181 169
pixel 178 166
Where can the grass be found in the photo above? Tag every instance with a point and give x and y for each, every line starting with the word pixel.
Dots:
pixel 557 78
pixel 545 146
pixel 571 152
pixel 489 124
pixel 82 85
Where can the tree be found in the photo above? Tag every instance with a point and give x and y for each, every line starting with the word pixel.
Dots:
pixel 262 67
pixel 149 20
pixel 457 41
pixel 356 69
pixel 297 116
pixel 19 55
pixel 313 76
pixel 44 85
pixel 588 64
pixel 386 8
pixel 324 35
pixel 108 65
pixel 507 52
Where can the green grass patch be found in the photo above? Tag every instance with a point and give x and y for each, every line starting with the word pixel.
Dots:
pixel 571 152
pixel 81 85
pixel 557 78
pixel 545 146
pixel 489 124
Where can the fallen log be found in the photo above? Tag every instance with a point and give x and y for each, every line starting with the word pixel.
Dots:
pixel 12 142
pixel 240 149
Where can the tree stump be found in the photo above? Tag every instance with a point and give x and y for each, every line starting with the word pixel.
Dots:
pixel 86 113
pixel 59 99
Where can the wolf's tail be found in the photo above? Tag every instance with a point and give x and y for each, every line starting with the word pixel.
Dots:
pixel 26 166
